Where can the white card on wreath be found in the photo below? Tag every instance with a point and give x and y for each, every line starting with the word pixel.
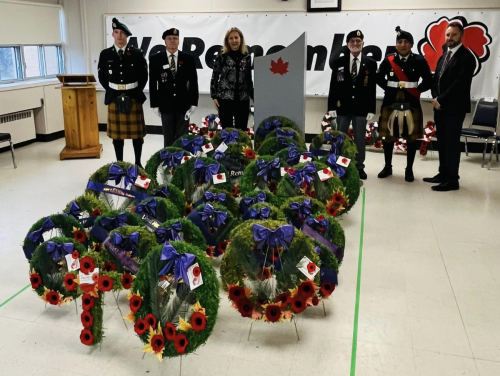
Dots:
pixel 219 178
pixel 305 158
pixel 88 278
pixel 163 284
pixel 327 116
pixel 308 268
pixel 222 147
pixel 207 148
pixel 429 130
pixel 326 147
pixel 325 123
pixel 328 129
pixel 194 276
pixel 73 264
pixel 142 183
pixel 343 161
pixel 283 171
pixel 325 174
pixel 185 159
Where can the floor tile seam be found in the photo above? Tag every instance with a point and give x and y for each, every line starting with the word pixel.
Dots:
pixel 488 360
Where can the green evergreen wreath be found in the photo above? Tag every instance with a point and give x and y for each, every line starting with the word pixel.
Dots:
pixel 64 225
pixel 262 292
pixel 89 205
pixel 316 206
pixel 348 150
pixel 271 145
pixel 178 143
pixel 132 220
pixel 157 171
pixel 283 154
pixel 174 195
pixel 251 182
pixel 165 209
pixel 242 138
pixel 283 123
pixel 276 214
pixel 113 202
pixel 193 190
pixel 190 233
pixel 321 190
pixel 270 198
pixel 297 137
pixel 230 203
pixel 174 320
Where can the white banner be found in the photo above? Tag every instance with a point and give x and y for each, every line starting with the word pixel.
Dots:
pixel 203 34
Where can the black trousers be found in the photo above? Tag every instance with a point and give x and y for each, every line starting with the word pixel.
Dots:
pixel 174 126
pixel 411 151
pixel 239 110
pixel 448 129
pixel 136 143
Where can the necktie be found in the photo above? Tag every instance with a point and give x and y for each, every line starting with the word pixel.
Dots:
pixel 445 63
pixel 403 60
pixel 172 65
pixel 354 69
pixel 120 53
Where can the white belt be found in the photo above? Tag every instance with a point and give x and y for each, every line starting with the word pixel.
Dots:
pixel 402 84
pixel 123 86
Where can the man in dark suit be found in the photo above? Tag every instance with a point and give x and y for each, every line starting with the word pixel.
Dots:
pixel 352 93
pixel 451 93
pixel 173 87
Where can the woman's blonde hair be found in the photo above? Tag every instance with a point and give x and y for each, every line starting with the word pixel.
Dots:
pixel 226 48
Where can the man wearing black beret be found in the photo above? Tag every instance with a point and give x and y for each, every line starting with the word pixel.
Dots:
pixel 401 114
pixel 352 93
pixel 173 87
pixel 123 73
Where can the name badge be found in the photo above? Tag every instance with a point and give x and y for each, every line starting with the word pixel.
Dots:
pixel 166 66
pixel 341 68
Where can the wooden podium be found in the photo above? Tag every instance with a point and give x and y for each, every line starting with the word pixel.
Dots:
pixel 81 127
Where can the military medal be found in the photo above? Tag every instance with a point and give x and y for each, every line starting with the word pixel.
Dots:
pixel 366 81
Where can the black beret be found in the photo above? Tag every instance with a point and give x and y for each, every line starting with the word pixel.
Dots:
pixel 168 32
pixel 404 35
pixel 118 25
pixel 355 34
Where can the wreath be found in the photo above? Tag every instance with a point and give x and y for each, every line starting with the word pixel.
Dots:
pixel 270 124
pixel 57 225
pixel 231 136
pixel 215 223
pixel 298 209
pixel 195 144
pixel 85 209
pixel 255 197
pixel 235 158
pixel 197 175
pixel 334 142
pixel 262 211
pixel 328 123
pixel 173 194
pixel 175 300
pixel 262 175
pixel 180 229
pixel 109 221
pixel 113 184
pixel 293 156
pixel 306 179
pixel 210 124
pixel 219 196
pixel 271 271
pixel 429 132
pixel 273 145
pixel 162 164
pixel 156 210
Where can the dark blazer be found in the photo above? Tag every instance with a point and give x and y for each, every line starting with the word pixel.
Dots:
pixel 353 98
pixel 456 80
pixel 131 68
pixel 415 68
pixel 223 82
pixel 171 94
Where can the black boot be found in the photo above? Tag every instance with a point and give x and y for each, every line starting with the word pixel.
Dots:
pixel 137 143
pixel 387 171
pixel 118 145
pixel 411 151
pixel 409 175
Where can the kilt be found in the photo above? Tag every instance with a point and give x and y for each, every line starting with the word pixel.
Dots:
pixel 418 121
pixel 126 126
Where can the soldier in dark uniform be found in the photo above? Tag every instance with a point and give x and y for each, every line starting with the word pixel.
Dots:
pixel 352 96
pixel 173 87
pixel 401 114
pixel 123 73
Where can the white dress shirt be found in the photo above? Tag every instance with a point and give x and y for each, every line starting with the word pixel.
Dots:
pixel 358 63
pixel 124 48
pixel 453 50
pixel 176 58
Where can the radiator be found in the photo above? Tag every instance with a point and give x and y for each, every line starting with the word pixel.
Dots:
pixel 21 125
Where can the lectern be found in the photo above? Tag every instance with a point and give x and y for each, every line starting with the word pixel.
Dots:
pixel 81 127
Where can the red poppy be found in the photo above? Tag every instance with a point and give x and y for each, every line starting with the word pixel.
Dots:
pixel 423 151
pixel 236 293
pixel 128 53
pixel 144 176
pixel 321 217
pixel 105 283
pixel 273 186
pixel 88 302
pixel 79 236
pixel 424 144
pixel 126 281
pixel 186 158
pixel 332 211
pixel 378 144
pixel 245 307
pixel 298 305
pixel 210 251
pixel 97 247
pixel 36 280
pixel 86 337
pixel 306 288
pixel 311 267
pixel 69 282
pixel 52 297
pixel 325 171
pixel 151 320
pixel 181 343
pixel 263 274
pixel 284 299
pixel 321 229
pixel 219 176
pixel 109 267
pixel 181 62
pixel 95 277
pixel 273 313
pixel 207 146
pixel 157 343
pixel 87 319
pixel 351 134
pixel 304 156
pixel 87 265
pixel 135 303
pixel 196 271
pixel 75 255
pixel 169 331
pixel 327 288
pixel 96 213
pixel 337 198
pixel 236 190
pixel 198 321
pixel 368 139
pixel 222 246
pixel 276 254
pixel 315 301
pixel 249 153
pixel 141 326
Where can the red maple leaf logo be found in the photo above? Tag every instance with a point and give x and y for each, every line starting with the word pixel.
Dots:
pixel 476 39
pixel 279 67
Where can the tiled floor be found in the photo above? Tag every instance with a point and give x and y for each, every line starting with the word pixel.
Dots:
pixel 430 285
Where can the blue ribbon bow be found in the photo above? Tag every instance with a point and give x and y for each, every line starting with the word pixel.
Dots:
pixel 161 192
pixel 112 223
pixel 268 168
pixel 260 214
pixel 59 250
pixel 304 209
pixel 148 208
pixel 332 161
pixel 127 243
pixel 305 173
pixel 219 155
pixel 211 119
pixel 180 262
pixel 201 169
pixel 217 217
pixel 219 197
pixel 37 235
pixel 169 233
pixel 193 145
pixel 171 160
pixel 280 133
pixel 315 224
pixel 268 127
pixel 116 173
pixel 294 156
pixel 272 238
pixel 74 210
pixel 335 141
pixel 229 138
